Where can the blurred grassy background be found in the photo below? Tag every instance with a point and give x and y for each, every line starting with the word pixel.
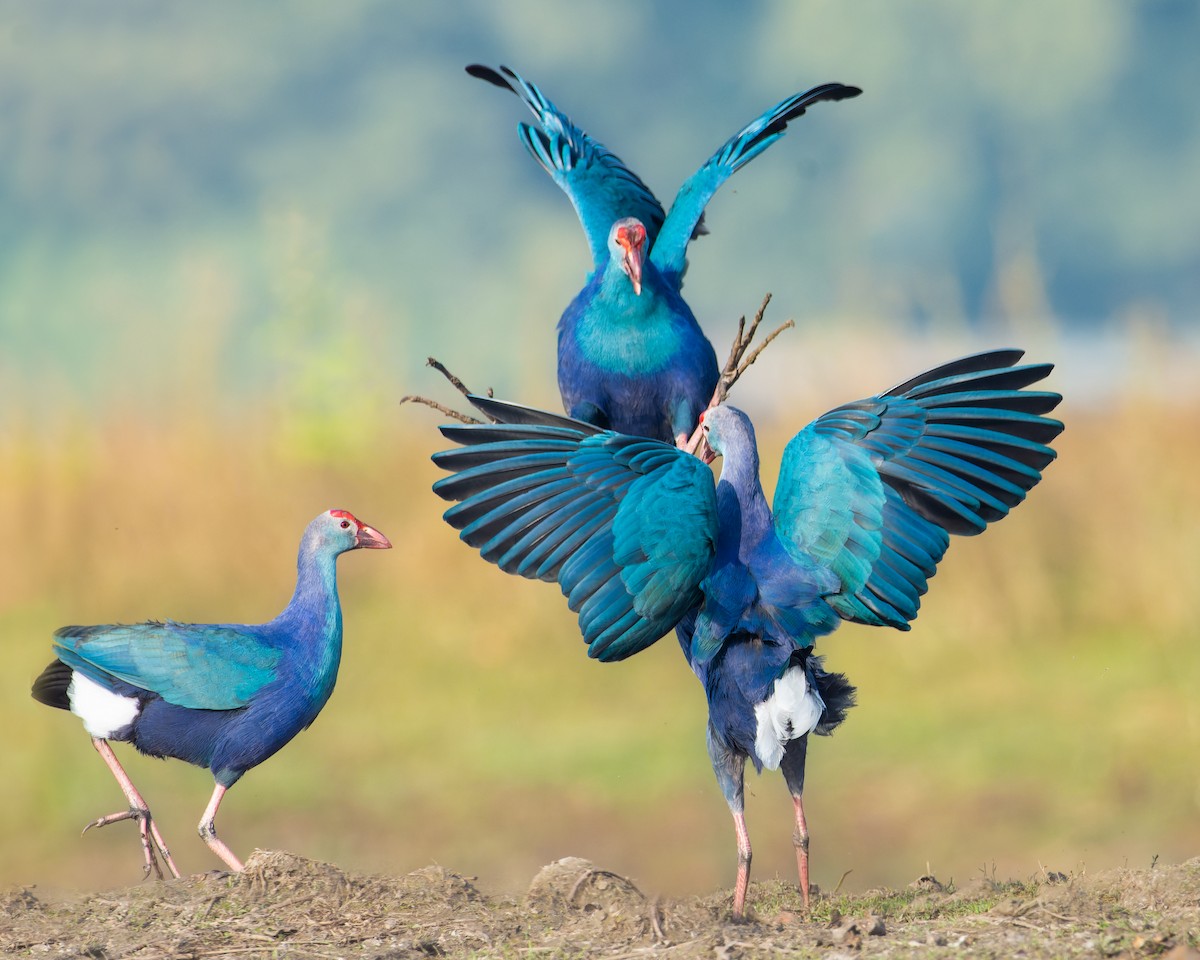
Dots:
pixel 228 240
pixel 1042 710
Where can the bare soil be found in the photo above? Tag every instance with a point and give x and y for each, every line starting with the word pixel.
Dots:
pixel 284 906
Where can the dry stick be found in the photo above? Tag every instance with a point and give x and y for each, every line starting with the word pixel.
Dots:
pixel 441 408
pixel 840 882
pixel 593 872
pixel 735 366
pixel 656 919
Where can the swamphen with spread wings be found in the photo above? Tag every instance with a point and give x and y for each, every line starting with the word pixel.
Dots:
pixel 641 541
pixel 631 356
pixel 224 696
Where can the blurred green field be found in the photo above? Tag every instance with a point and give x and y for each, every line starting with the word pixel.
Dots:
pixel 1044 709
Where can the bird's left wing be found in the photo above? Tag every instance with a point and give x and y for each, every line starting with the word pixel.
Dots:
pixel 685 220
pixel 872 490
pixel 600 186
pixel 202 666
pixel 626 526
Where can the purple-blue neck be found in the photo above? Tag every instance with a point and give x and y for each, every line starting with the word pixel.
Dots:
pixel 745 516
pixel 311 625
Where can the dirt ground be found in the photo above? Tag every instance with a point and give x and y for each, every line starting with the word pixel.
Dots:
pixel 284 906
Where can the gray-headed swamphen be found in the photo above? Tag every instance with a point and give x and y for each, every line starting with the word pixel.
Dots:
pixel 631 356
pixel 224 696
pixel 641 540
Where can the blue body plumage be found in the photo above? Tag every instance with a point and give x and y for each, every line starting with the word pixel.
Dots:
pixel 221 696
pixel 640 540
pixel 631 356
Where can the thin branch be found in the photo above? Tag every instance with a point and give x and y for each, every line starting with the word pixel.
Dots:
pixel 442 408
pixel 656 919
pixel 788 325
pixel 454 381
pixel 841 881
pixel 735 366
pixel 593 872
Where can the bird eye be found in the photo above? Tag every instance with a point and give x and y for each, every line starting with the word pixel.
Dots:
pixel 345 524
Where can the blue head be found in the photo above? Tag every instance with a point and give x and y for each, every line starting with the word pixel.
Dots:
pixel 331 534
pixel 336 531
pixel 728 433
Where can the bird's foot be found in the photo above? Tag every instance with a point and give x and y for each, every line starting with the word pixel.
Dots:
pixel 207 829
pixel 153 845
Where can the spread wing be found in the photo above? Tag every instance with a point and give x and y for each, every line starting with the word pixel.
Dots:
pixel 625 525
pixel 686 217
pixel 600 186
pixel 874 489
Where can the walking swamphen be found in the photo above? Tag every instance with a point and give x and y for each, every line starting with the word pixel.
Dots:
pixel 631 356
pixel 641 541
pixel 224 696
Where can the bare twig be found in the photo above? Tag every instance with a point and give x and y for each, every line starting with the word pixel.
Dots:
pixel 454 381
pixel 761 347
pixel 442 408
pixel 841 881
pixel 601 873
pixel 656 919
pixel 735 365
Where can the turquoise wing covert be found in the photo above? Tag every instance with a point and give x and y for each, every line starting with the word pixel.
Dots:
pixel 625 525
pixel 200 666
pixel 874 489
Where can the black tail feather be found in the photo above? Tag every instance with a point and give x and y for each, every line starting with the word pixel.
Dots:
pixel 837 692
pixel 51 687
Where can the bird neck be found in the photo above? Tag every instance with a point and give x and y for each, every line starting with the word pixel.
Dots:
pixel 310 629
pixel 614 284
pixel 745 517
pixel 315 602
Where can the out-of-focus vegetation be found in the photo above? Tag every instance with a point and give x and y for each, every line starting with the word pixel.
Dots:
pixel 158 158
pixel 230 236
pixel 1042 710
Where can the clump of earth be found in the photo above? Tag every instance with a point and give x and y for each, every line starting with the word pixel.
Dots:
pixel 286 906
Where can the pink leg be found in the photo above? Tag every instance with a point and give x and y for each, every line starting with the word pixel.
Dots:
pixel 744 857
pixel 138 810
pixel 208 831
pixel 800 839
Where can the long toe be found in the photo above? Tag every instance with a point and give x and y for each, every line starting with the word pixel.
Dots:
pixel 163 852
pixel 148 833
pixel 130 814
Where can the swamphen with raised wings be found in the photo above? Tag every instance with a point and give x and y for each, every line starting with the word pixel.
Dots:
pixel 631 356
pixel 224 696
pixel 641 541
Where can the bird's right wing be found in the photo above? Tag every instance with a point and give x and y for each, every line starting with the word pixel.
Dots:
pixel 627 526
pixel 600 186
pixel 872 490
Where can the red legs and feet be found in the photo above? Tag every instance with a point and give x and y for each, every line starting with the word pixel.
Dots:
pixel 792 768
pixel 138 810
pixel 208 831
pixel 743 871
pixel 729 765
pixel 800 839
